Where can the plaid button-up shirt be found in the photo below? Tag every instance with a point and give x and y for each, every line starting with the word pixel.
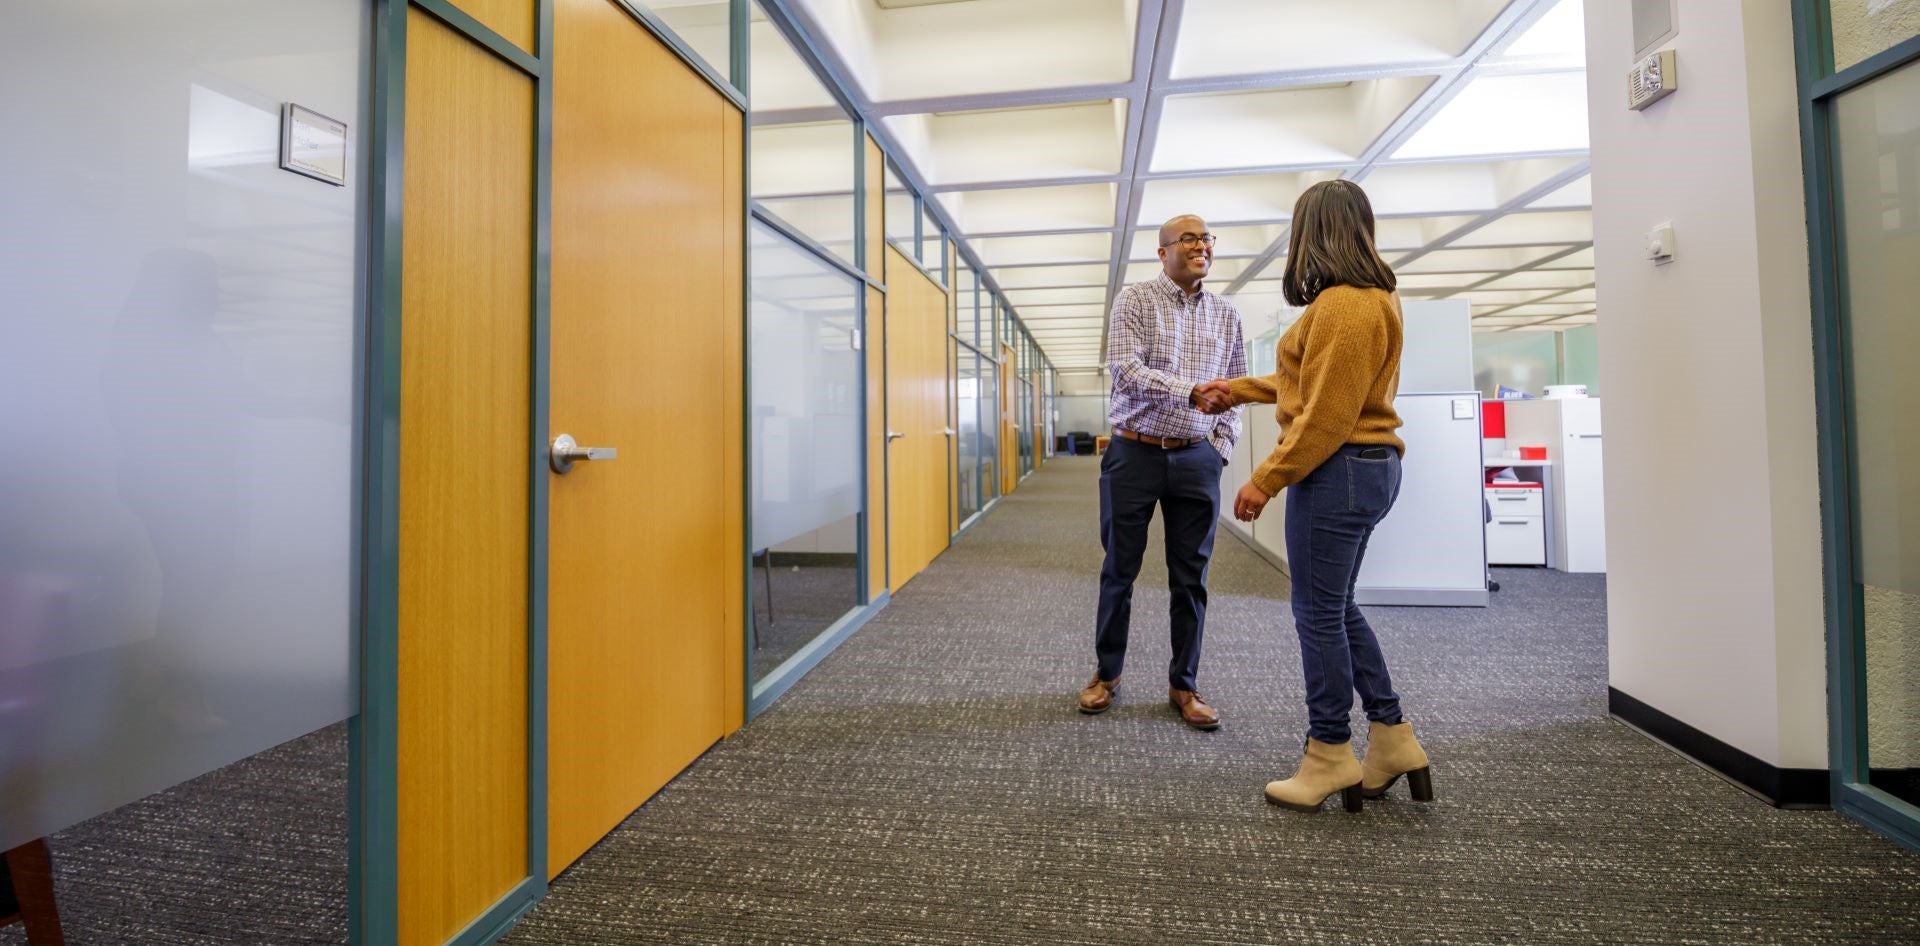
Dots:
pixel 1161 342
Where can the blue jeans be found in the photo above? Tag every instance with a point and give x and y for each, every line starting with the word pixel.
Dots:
pixel 1330 516
pixel 1185 484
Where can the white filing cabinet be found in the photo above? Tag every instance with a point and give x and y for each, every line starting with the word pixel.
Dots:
pixel 1517 529
pixel 1570 430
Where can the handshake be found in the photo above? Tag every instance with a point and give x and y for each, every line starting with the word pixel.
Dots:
pixel 1212 397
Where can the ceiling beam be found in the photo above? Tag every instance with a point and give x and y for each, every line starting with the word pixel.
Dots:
pixel 1153 44
pixel 1506 26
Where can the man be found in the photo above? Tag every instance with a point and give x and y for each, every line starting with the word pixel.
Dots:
pixel 1164 338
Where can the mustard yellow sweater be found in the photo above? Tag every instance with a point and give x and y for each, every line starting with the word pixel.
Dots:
pixel 1339 373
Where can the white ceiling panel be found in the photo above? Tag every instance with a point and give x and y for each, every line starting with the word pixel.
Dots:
pixel 1308 125
pixel 1014 144
pixel 1223 271
pixel 1486 297
pixel 1231 241
pixel 1414 189
pixel 1582 259
pixel 984 46
pixel 1066 328
pixel 1439 281
pixel 1543 279
pixel 1577 194
pixel 1559 35
pixel 1088 294
pixel 1217 200
pixel 1476 260
pixel 1523 229
pixel 1239 37
pixel 1543 309
pixel 1025 277
pixel 1044 313
pixel 1066 248
pixel 1398 234
pixel 1481 119
pixel 1072 207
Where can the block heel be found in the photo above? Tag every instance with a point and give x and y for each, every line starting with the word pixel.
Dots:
pixel 1420 783
pixel 1352 797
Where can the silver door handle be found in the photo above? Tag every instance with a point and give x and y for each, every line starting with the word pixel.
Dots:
pixel 893 435
pixel 1589 436
pixel 565 451
pixel 949 431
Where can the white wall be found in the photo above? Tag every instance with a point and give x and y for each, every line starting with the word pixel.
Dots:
pixel 1712 497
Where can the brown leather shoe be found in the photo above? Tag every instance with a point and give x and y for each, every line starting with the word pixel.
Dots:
pixel 1098 695
pixel 1193 709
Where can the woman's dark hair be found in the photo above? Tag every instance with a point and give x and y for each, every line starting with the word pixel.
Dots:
pixel 1332 244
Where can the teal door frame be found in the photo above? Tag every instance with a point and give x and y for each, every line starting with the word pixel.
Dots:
pixel 373 734
pixel 1820 87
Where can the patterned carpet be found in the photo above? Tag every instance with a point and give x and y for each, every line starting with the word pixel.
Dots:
pixel 254 853
pixel 932 783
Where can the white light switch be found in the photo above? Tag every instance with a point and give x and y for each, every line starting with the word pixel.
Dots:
pixel 1660 243
pixel 1463 408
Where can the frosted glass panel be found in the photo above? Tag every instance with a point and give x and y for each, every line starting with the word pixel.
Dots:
pixel 1524 361
pixel 805 391
pixel 1581 361
pixel 966 394
pixel 177 393
pixel 1877 131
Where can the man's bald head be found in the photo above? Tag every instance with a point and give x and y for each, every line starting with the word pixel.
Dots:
pixel 1186 263
pixel 1185 223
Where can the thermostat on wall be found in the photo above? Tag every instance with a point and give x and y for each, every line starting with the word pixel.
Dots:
pixel 1651 79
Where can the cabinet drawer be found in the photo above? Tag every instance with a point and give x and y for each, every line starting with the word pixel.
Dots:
pixel 1515 503
pixel 1516 540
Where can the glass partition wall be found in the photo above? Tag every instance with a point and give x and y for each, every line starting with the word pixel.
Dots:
pixel 1859 95
pixel 806 453
pixel 973 381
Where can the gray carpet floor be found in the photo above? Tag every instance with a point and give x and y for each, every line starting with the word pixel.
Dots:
pixel 932 783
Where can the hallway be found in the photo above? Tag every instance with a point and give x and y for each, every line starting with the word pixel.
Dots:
pixel 932 782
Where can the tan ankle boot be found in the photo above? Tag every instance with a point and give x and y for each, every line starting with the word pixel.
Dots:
pixel 1326 770
pixel 1392 752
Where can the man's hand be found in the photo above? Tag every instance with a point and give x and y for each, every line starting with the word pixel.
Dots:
pixel 1250 503
pixel 1212 397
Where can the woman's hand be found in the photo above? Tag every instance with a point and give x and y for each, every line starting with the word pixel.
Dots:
pixel 1250 503
pixel 1213 397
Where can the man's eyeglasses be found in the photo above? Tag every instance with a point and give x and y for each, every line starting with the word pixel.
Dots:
pixel 1190 241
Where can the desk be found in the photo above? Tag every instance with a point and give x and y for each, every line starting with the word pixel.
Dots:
pixel 1546 493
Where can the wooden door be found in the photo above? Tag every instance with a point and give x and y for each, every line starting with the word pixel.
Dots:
pixel 645 617
pixel 465 367
pixel 1009 445
pixel 917 392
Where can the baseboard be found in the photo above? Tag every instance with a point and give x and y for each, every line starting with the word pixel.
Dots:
pixel 813 559
pixel 1781 788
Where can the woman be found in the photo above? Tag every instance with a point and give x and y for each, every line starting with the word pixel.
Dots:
pixel 1339 460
